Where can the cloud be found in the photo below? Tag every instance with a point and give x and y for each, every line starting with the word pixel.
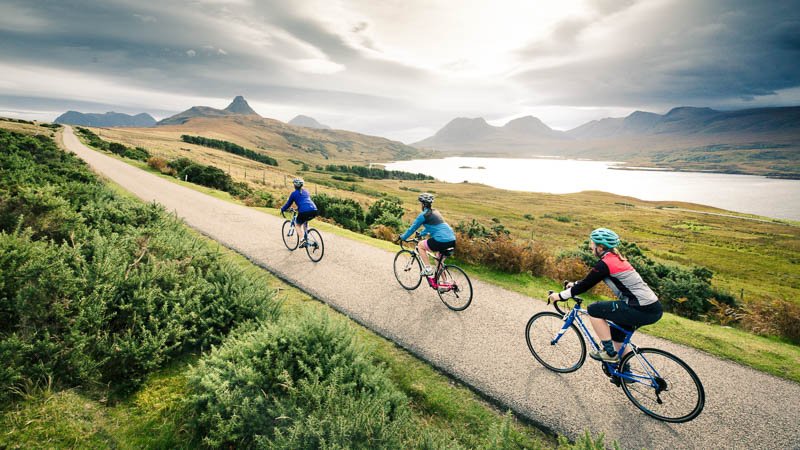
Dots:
pixel 670 53
pixel 389 67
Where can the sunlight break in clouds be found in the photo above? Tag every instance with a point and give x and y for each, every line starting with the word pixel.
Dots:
pixel 403 69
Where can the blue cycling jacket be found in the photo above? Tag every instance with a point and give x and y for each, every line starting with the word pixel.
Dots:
pixel 434 225
pixel 302 199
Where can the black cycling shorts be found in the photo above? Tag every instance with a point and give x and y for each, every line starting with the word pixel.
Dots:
pixel 626 316
pixel 304 217
pixel 437 246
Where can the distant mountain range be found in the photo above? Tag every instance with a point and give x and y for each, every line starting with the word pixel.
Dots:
pixel 238 106
pixel 529 133
pixel 308 122
pixel 109 119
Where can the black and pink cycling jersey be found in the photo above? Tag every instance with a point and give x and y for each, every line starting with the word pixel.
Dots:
pixel 620 276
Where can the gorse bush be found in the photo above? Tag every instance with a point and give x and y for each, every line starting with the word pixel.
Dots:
pixel 346 212
pixel 301 383
pixel 387 211
pixel 100 289
pixel 138 153
pixel 686 292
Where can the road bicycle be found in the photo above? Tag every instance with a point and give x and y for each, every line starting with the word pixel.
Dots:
pixel 315 247
pixel 449 281
pixel 657 382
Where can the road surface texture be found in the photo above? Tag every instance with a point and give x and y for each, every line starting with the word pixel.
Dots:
pixel 483 346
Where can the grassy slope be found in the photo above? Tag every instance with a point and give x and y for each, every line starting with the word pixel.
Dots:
pixel 756 259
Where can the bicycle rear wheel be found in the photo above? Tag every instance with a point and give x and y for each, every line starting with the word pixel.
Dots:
pixel 407 269
pixel 563 354
pixel 289 235
pixel 315 247
pixel 662 385
pixel 455 289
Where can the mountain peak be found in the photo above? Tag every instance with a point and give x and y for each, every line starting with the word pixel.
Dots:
pixel 308 122
pixel 527 124
pixel 240 106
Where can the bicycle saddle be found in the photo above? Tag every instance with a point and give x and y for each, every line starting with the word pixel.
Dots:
pixel 448 251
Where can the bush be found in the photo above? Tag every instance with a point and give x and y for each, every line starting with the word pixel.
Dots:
pixel 776 317
pixel 230 147
pixel 260 199
pixel 297 384
pixel 161 164
pixel 686 292
pixel 386 211
pixel 346 212
pixel 100 289
pixel 383 232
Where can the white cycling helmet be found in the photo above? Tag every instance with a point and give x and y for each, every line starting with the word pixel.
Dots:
pixel 425 198
pixel 298 182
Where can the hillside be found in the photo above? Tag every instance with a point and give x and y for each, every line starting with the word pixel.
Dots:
pixel 292 146
pixel 109 119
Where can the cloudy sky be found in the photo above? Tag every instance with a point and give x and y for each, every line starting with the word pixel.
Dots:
pixel 398 68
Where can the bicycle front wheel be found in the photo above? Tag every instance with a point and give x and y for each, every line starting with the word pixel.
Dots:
pixel 562 353
pixel 289 235
pixel 315 247
pixel 662 385
pixel 455 289
pixel 407 269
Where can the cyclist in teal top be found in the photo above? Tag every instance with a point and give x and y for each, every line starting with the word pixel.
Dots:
pixel 441 238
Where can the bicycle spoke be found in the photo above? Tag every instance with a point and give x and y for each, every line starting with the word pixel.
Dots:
pixel 315 247
pixel 455 288
pixel 558 349
pixel 663 386
pixel 407 270
pixel 290 239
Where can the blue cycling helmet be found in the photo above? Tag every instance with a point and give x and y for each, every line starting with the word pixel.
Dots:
pixel 604 237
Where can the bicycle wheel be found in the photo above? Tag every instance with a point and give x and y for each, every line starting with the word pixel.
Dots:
pixel 663 386
pixel 289 235
pixel 315 247
pixel 407 269
pixel 565 355
pixel 455 289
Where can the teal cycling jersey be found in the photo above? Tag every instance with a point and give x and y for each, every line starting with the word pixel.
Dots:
pixel 433 224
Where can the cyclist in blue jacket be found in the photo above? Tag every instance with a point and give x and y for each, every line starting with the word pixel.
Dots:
pixel 306 209
pixel 441 238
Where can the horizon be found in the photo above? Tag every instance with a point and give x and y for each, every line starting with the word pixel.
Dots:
pixel 403 73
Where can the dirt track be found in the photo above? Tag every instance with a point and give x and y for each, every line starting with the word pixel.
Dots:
pixel 484 346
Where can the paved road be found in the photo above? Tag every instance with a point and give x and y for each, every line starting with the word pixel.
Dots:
pixel 483 346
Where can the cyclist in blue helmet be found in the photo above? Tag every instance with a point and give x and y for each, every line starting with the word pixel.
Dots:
pixel 636 306
pixel 306 209
pixel 441 238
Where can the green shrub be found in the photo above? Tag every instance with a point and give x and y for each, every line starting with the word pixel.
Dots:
pixel 100 289
pixel 686 292
pixel 386 211
pixel 230 147
pixel 296 384
pixel 346 212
